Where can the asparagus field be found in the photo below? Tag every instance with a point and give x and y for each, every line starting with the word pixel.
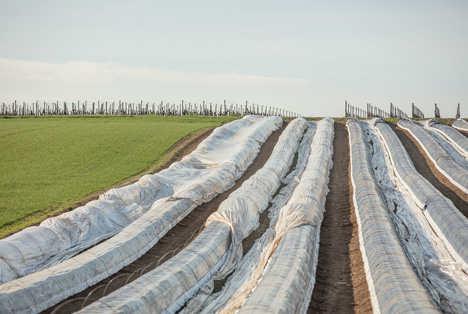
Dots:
pixel 264 216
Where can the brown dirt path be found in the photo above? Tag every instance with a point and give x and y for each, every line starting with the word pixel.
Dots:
pixel 169 245
pixel 341 285
pixel 427 169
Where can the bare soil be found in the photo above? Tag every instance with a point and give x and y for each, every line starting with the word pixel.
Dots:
pixel 341 285
pixel 427 169
pixel 174 241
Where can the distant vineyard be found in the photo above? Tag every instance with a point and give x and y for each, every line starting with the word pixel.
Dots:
pixel 124 108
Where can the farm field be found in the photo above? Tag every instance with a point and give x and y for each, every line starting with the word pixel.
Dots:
pixel 50 163
pixel 305 216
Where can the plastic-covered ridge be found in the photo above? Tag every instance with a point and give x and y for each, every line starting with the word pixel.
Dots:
pixel 167 289
pixel 445 163
pixel 53 284
pixel 393 285
pixel 460 124
pixel 286 284
pixel 252 264
pixel 236 217
pixel 457 139
pixel 444 217
pixel 211 168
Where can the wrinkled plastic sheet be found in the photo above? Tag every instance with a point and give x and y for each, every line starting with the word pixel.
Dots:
pixel 51 285
pixel 286 284
pixel 168 288
pixel 460 124
pixel 451 134
pixel 236 217
pixel 283 280
pixel 443 162
pixel 440 274
pixel 443 216
pixel 393 285
pixel 218 160
pixel 216 301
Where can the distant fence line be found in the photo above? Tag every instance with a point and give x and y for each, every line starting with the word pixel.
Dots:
pixel 395 112
pixel 123 108
pixel 373 111
pixel 416 112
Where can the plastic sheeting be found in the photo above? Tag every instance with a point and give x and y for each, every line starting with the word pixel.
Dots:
pixel 445 163
pixel 393 284
pixel 284 278
pixel 208 170
pixel 439 273
pixel 288 282
pixel 168 287
pixel 447 221
pixel 457 139
pixel 219 159
pixel 217 301
pixel 54 284
pixel 460 124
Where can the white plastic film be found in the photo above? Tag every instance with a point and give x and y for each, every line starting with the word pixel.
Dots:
pixel 51 285
pixel 393 285
pixel 283 279
pixel 440 274
pixel 443 161
pixel 460 124
pixel 217 301
pixel 446 220
pixel 456 138
pixel 236 217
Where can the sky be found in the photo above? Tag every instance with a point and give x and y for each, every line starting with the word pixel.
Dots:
pixel 308 57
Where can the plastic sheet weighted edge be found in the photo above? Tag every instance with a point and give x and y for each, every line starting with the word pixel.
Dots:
pixel 393 285
pixel 455 137
pixel 288 281
pixel 439 157
pixel 38 291
pixel 185 266
pixel 460 124
pixel 61 237
pixel 446 220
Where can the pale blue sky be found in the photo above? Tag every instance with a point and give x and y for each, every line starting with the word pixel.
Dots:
pixel 304 56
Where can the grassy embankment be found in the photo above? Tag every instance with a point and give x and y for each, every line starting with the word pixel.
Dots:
pixel 48 164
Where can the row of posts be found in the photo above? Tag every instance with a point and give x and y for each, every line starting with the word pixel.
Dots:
pixel 437 111
pixel 372 111
pixel 416 112
pixel 395 112
pixel 124 108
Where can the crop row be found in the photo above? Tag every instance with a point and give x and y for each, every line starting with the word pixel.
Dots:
pixel 209 170
pixel 413 240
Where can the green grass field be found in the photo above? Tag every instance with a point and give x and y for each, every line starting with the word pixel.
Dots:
pixel 52 162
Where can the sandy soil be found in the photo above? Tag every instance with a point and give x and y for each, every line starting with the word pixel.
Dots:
pixel 175 240
pixel 427 169
pixel 341 285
